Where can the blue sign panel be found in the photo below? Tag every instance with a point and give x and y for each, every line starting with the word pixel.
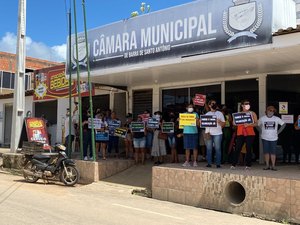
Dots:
pixel 195 28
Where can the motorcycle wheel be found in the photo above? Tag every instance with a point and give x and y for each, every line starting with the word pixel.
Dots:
pixel 29 178
pixel 71 177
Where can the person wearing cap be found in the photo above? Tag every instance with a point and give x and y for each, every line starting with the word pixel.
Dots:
pixel 268 125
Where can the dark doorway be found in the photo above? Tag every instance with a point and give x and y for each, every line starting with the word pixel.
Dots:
pixel 142 100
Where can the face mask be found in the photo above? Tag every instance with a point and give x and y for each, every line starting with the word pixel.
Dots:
pixel 190 110
pixel 270 114
pixel 214 106
pixel 247 107
pixel 157 117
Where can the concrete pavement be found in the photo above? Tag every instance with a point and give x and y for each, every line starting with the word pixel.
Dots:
pixel 98 203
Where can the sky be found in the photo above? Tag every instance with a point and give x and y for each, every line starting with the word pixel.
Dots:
pixel 47 26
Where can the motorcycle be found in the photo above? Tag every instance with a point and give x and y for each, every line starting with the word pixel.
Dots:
pixel 52 166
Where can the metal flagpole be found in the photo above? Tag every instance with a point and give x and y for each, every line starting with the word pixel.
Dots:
pixel 70 88
pixel 78 84
pixel 89 80
pixel 19 88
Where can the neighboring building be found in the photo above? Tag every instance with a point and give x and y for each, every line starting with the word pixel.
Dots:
pixel 298 11
pixel 7 75
pixel 7 71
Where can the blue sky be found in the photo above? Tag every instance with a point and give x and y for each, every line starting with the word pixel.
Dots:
pixel 46 27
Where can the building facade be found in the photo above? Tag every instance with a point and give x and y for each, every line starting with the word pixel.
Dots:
pixel 7 73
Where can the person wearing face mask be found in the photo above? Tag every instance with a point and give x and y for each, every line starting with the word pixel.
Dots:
pixel 190 139
pixel 158 151
pixel 215 134
pixel 245 134
pixel 268 125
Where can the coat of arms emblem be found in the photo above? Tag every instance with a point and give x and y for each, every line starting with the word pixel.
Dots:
pixel 82 54
pixel 242 19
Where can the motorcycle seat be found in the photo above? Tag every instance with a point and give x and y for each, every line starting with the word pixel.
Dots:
pixel 41 157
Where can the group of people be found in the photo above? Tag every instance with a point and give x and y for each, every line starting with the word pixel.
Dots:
pixel 223 142
pixel 230 131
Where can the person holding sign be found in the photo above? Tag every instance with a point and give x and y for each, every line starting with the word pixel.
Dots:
pixel 113 142
pixel 190 134
pixel 245 133
pixel 139 139
pixel 213 133
pixel 87 135
pixel 158 150
pixel 101 144
pixel 269 135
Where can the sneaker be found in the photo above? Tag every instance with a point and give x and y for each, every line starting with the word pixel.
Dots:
pixel 218 166
pixel 208 165
pixel 85 158
pixel 186 164
pixel 195 164
pixel 274 169
pixel 91 158
pixel 247 168
pixel 232 167
pixel 266 168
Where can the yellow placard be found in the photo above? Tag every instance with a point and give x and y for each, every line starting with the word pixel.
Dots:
pixel 187 119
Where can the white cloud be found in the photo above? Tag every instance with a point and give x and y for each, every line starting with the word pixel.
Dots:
pixel 34 49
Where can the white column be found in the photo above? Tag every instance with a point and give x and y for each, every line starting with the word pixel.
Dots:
pixel 223 93
pixel 19 88
pixel 262 98
pixel 156 104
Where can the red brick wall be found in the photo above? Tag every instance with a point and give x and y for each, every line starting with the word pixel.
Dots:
pixel 8 62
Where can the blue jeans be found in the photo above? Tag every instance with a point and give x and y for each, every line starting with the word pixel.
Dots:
pixel 217 141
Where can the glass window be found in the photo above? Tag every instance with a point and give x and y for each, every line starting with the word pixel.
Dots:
pixel 238 90
pixel 6 80
pixel 211 92
pixel 175 100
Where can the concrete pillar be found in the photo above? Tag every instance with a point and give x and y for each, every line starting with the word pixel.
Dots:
pixel 223 92
pixel 262 98
pixel 156 104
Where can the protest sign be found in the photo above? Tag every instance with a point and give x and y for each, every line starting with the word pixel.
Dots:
pixel 199 99
pixel 102 136
pixel 167 127
pixel 208 121
pixel 242 117
pixel 187 119
pixel 153 123
pixel 137 127
pixel 121 132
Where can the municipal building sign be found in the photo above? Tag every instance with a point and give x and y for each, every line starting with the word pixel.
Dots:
pixel 195 28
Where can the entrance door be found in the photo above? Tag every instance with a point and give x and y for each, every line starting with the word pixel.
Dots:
pixel 7 123
pixel 238 90
pixel 48 110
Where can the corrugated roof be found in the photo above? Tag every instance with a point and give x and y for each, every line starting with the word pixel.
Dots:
pixel 287 31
